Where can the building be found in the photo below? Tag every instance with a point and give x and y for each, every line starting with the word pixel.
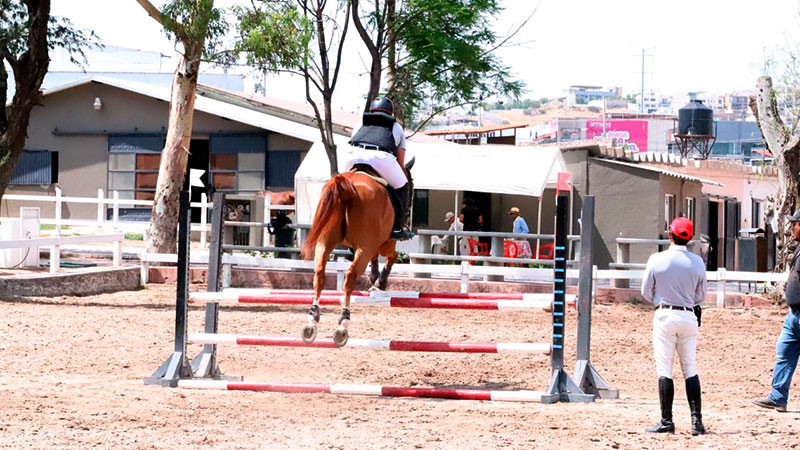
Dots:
pixel 581 95
pixel 488 134
pixel 107 134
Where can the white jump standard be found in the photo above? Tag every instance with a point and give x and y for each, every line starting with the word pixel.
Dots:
pixel 203 372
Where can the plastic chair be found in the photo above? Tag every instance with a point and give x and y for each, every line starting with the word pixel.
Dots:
pixel 546 251
pixel 477 249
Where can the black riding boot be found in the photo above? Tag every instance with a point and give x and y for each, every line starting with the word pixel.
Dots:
pixel 666 392
pixel 400 231
pixel 693 395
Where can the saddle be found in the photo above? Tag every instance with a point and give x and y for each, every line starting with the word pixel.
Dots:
pixel 367 170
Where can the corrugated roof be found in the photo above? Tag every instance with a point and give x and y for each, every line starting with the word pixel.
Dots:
pixel 475 130
pixel 207 105
pixel 661 171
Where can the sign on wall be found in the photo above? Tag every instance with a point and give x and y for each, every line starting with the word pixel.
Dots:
pixel 630 134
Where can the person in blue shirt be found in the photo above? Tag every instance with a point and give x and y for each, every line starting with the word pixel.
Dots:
pixel 520 226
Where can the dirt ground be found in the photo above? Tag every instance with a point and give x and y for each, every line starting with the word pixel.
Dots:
pixel 71 374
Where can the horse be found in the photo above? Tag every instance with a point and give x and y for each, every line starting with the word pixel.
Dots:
pixel 354 210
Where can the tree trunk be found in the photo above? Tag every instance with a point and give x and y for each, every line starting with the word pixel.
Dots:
pixel 29 71
pixel 786 149
pixel 374 52
pixel 172 172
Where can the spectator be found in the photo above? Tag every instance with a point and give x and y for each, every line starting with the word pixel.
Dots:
pixel 520 226
pixel 470 216
pixel 440 244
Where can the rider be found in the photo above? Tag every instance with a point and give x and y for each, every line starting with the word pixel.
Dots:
pixel 381 143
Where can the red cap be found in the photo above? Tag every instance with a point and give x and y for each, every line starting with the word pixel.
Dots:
pixel 682 227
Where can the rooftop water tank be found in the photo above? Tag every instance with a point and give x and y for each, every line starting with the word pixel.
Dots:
pixel 696 119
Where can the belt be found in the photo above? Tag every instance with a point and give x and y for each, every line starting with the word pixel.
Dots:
pixel 368 146
pixel 677 308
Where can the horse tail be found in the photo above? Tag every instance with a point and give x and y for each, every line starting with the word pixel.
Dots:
pixel 337 194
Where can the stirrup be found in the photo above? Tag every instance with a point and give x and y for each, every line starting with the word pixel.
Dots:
pixel 402 234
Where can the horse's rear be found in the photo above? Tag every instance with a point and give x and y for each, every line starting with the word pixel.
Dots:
pixel 354 210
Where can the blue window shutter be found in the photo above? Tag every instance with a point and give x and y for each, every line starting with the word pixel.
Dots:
pixel 33 168
pixel 136 143
pixel 237 143
pixel 281 167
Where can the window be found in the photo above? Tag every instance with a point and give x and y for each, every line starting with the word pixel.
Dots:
pixel 133 161
pixel 669 209
pixel 36 167
pixel 238 162
pixel 688 210
pixel 281 167
pixel 756 218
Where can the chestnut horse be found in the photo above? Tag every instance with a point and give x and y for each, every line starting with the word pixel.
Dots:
pixel 355 211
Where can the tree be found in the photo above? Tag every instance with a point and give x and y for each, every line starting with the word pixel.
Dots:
pixel 198 27
pixel 27 34
pixel 439 54
pixel 299 37
pixel 785 146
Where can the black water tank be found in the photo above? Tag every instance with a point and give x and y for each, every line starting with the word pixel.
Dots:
pixel 696 118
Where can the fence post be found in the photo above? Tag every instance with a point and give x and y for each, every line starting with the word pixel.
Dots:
pixel 339 273
pixel 101 204
pixel 144 271
pixel 227 274
pixel 721 287
pixel 464 277
pixel 496 251
pixel 58 213
pixel 203 218
pixel 267 216
pixel 117 252
pixel 55 258
pixel 425 244
pixel 623 256
pixel 115 216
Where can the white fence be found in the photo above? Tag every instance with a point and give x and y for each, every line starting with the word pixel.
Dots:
pixel 115 224
pixel 463 272
pixel 56 242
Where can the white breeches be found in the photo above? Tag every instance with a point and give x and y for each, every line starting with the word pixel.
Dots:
pixel 675 331
pixel 384 163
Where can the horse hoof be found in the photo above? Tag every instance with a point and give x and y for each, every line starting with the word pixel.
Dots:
pixel 309 333
pixel 340 336
pixel 374 288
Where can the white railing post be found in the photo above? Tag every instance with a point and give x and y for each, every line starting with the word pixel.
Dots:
pixel 117 252
pixel 58 212
pixel 227 274
pixel 203 218
pixel 55 258
pixel 267 216
pixel 721 286
pixel 464 277
pixel 339 273
pixel 101 210
pixel 144 270
pixel 115 216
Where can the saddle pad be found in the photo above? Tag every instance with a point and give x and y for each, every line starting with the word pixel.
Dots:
pixel 380 180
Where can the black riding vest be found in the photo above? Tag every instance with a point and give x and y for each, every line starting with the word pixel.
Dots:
pixel 377 131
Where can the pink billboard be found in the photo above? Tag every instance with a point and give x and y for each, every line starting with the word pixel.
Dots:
pixel 630 134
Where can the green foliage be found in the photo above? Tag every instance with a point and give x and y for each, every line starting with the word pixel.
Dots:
pixel 527 104
pixel 445 54
pixel 134 236
pixel 273 35
pixel 15 24
pixel 196 21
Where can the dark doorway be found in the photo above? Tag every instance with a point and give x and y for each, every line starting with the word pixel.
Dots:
pixel 198 159
pixel 483 200
pixel 713 236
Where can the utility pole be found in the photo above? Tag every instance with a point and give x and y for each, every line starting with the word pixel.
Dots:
pixel 641 102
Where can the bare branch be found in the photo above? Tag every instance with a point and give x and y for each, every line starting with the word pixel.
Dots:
pixel 341 47
pixel 151 10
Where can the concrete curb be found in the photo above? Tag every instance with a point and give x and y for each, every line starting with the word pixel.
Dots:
pixel 88 282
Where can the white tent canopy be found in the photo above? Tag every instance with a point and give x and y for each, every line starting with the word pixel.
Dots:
pixel 502 169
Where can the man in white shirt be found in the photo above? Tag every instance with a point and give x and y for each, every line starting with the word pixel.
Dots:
pixel 455 225
pixel 675 282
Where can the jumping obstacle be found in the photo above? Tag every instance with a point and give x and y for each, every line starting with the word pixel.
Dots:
pixel 373 344
pixel 392 302
pixel 309 293
pixel 367 389
pixel 203 372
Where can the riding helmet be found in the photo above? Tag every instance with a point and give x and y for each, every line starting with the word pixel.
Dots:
pixel 382 104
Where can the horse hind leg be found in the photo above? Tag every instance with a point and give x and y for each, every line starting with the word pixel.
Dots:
pixel 374 274
pixel 383 280
pixel 321 253
pixel 341 335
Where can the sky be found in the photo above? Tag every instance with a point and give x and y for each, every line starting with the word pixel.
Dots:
pixel 713 46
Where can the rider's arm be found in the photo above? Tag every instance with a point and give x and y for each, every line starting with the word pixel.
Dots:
pixel 401 156
pixel 400 142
